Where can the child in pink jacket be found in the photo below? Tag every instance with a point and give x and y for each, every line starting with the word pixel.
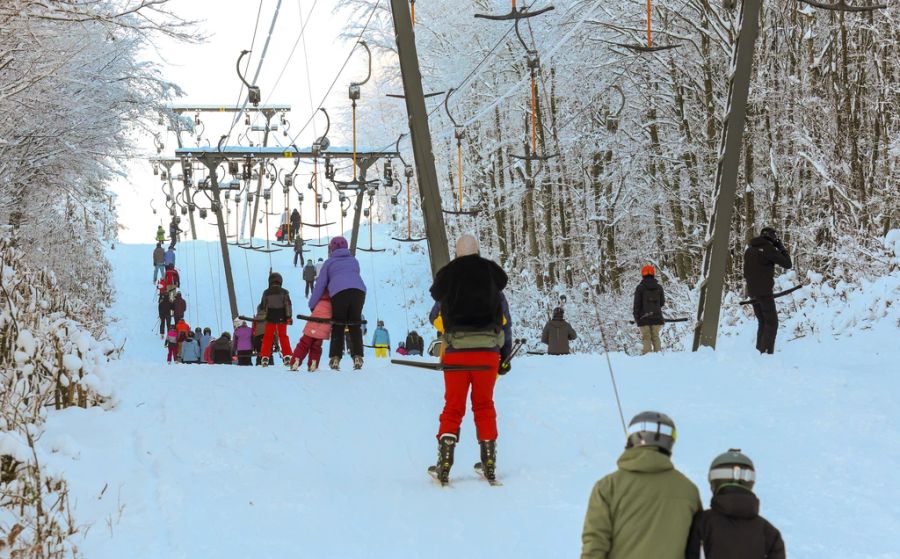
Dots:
pixel 313 334
pixel 172 345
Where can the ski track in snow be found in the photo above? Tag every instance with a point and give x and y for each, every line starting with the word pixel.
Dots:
pixel 217 461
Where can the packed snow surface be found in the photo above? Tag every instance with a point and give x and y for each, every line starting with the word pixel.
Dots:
pixel 215 461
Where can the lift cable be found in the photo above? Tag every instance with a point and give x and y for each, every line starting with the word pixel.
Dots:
pixel 338 76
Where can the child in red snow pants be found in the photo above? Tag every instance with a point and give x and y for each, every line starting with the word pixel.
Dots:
pixel 456 391
pixel 173 352
pixel 309 345
pixel 269 335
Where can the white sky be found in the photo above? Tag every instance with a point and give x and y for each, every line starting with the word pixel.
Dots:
pixel 207 74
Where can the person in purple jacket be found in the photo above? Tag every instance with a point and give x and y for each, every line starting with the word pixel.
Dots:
pixel 340 278
pixel 243 342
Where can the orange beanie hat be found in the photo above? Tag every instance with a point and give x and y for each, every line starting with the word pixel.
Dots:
pixel 648 270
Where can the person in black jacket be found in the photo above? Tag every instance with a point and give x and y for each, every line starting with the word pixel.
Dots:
pixel 295 226
pixel 165 315
pixel 415 345
pixel 469 292
pixel 732 528
pixel 760 258
pixel 557 334
pixel 649 299
pixel 276 303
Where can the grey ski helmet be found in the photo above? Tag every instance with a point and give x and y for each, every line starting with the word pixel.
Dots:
pixel 731 468
pixel 654 429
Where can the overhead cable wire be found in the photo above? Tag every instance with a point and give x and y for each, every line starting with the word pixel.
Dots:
pixel 340 71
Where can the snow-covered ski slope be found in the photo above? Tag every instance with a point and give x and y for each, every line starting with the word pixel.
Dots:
pixel 216 461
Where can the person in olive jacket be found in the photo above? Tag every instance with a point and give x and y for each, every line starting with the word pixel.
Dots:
pixel 557 334
pixel 732 528
pixel 760 258
pixel 644 510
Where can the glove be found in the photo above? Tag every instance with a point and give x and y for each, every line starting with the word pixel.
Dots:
pixel 505 367
pixel 290 321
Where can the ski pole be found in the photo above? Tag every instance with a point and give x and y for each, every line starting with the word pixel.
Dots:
pixel 774 296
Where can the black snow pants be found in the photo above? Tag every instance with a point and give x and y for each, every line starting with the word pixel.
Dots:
pixel 310 285
pixel 767 316
pixel 165 322
pixel 347 306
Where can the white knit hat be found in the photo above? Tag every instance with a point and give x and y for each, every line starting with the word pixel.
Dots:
pixel 466 245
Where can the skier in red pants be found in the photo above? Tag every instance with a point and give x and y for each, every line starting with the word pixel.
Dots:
pixel 276 304
pixel 477 333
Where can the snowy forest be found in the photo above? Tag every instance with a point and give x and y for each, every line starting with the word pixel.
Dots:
pixel 580 161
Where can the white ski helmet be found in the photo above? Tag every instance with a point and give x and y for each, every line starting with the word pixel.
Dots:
pixel 652 428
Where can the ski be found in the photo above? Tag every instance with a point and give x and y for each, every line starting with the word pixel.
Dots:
pixel 774 296
pixel 439 366
pixel 432 472
pixel 668 320
pixel 480 471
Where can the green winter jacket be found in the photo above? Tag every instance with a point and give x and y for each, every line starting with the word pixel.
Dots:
pixel 642 511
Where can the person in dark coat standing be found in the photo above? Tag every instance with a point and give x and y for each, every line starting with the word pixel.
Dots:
pixel 179 307
pixel 760 258
pixel 469 291
pixel 295 227
pixel 557 334
pixel 649 299
pixel 276 302
pixel 340 277
pixel 732 528
pixel 298 249
pixel 309 276
pixel 165 315
pixel 415 345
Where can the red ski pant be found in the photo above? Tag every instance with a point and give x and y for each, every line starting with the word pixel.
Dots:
pixel 456 389
pixel 308 344
pixel 173 353
pixel 269 335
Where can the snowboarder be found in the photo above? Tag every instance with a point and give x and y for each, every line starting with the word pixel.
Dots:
pixel 732 527
pixel 190 349
pixel 160 234
pixel 298 250
pixel 309 276
pixel 169 257
pixel 220 349
pixel 760 258
pixel 159 262
pixel 557 334
pixel 179 307
pixel 415 345
pixel 340 277
pixel 381 339
pixel 401 349
pixel 276 303
pixel 165 315
pixel 295 228
pixel 313 334
pixel 649 299
pixel 469 292
pixel 645 508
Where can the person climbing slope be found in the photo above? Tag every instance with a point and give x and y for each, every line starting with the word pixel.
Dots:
pixel 314 333
pixel 341 279
pixel 309 276
pixel 649 299
pixel 469 293
pixel 276 303
pixel 159 262
pixel 169 257
pixel 160 234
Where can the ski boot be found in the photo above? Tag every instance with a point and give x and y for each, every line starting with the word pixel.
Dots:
pixel 313 365
pixel 357 362
pixel 264 362
pixel 441 470
pixel 335 363
pixel 287 361
pixel 488 465
pixel 295 364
